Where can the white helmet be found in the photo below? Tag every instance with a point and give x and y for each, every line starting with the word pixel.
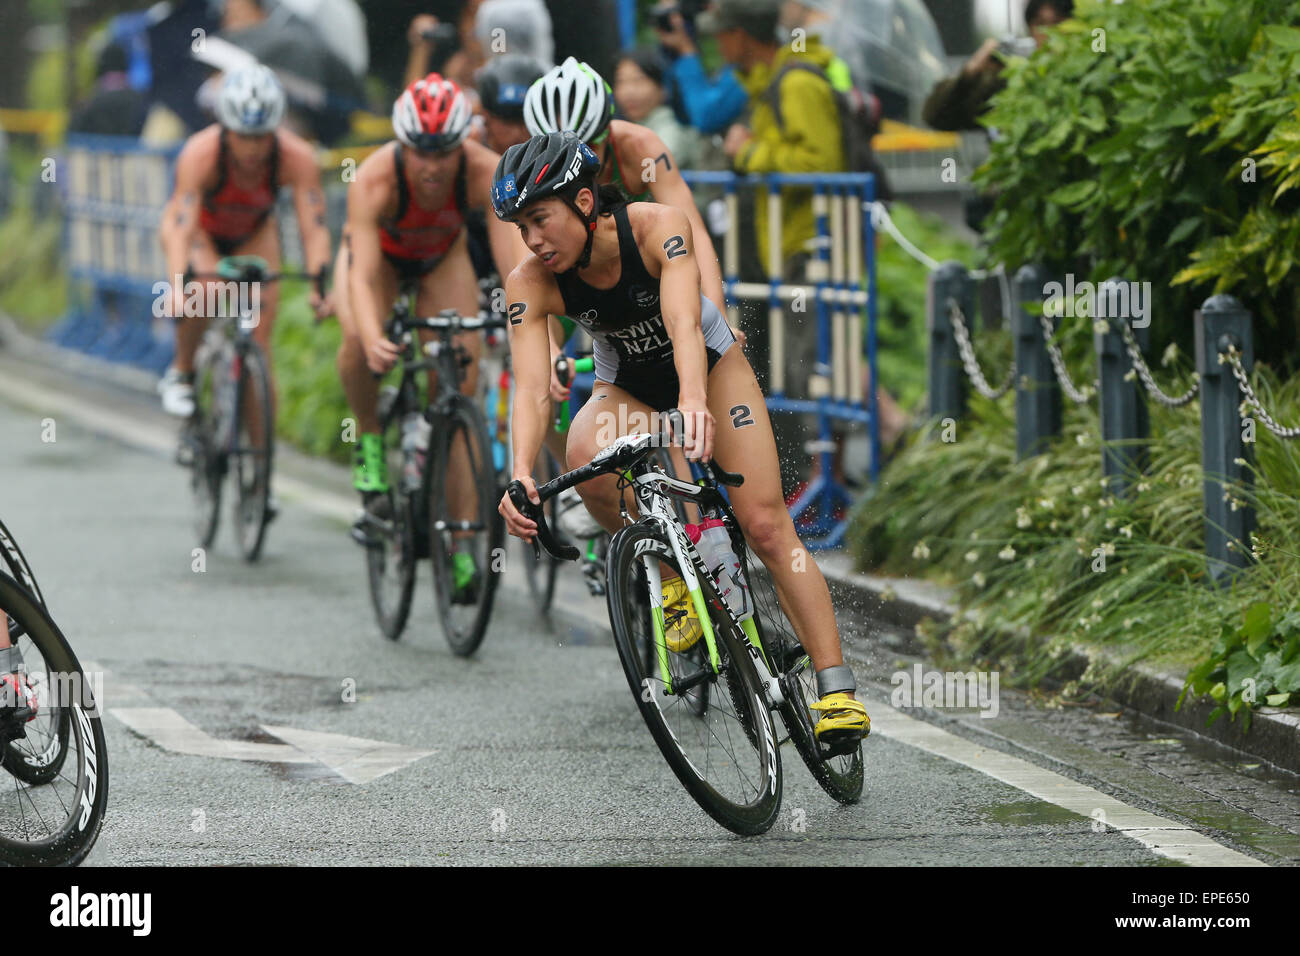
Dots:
pixel 251 100
pixel 571 96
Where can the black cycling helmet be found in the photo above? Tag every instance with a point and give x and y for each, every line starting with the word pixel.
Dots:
pixel 503 83
pixel 552 165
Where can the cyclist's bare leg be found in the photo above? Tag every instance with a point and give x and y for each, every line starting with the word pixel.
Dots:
pixel 360 386
pixel 743 442
pixel 189 331
pixel 452 285
pixel 610 413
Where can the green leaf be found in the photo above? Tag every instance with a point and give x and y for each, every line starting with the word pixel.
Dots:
pixel 1277 700
pixel 1253 80
pixel 1184 229
pixel 1073 193
pixel 1257 626
pixel 1287 38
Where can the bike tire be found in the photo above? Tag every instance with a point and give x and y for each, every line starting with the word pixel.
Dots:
pixel 34 766
pixel 207 465
pixel 738 686
pixel 841 776
pixel 391 566
pixel 69 842
pixel 464 624
pixel 543 570
pixel 252 464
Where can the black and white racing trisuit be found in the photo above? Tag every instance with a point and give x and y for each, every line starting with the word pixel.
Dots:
pixel 631 344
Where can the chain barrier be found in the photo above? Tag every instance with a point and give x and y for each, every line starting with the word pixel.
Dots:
pixel 1077 395
pixel 1144 373
pixel 968 360
pixel 1234 359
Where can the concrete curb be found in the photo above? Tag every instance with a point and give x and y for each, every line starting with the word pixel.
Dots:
pixel 1274 737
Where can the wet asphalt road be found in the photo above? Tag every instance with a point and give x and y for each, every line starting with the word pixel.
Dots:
pixel 532 752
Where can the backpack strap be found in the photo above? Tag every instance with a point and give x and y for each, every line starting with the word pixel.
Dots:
pixel 773 92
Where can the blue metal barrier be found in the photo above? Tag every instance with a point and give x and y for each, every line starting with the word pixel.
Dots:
pixel 844 296
pixel 114 190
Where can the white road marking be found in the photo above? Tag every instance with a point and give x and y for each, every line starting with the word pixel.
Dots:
pixel 355 759
pixel 171 731
pixel 1163 837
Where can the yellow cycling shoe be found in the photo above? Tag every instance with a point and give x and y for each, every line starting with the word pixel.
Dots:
pixel 844 722
pixel 682 629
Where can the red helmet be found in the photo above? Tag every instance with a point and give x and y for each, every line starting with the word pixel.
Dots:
pixel 432 114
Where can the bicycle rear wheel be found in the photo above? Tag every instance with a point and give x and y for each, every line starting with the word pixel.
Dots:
pixel 725 754
pixel 254 451
pixel 464 524
pixel 391 561
pixel 542 571
pixel 207 461
pixel 52 814
pixel 840 776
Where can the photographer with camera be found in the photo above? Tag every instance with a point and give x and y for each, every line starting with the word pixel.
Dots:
pixel 956 103
pixel 438 47
pixel 711 105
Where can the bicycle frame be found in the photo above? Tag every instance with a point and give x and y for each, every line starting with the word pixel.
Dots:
pixel 652 489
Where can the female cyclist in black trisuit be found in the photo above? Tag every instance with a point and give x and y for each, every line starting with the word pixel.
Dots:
pixel 627 273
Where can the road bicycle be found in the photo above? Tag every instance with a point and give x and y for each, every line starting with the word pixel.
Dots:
pixel 54 751
pixel 419 516
pixel 542 572
pixel 726 751
pixel 232 429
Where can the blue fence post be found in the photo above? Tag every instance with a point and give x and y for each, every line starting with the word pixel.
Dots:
pixel 1122 402
pixel 946 381
pixel 1229 518
pixel 1038 396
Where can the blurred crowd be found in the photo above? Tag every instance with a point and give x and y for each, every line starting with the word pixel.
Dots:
pixel 785 97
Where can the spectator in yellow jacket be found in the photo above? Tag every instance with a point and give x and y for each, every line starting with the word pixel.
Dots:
pixel 794 125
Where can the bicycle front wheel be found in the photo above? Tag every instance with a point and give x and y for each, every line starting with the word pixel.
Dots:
pixel 52 812
pixel 725 753
pixel 466 532
pixel 254 449
pixel 390 559
pixel 207 461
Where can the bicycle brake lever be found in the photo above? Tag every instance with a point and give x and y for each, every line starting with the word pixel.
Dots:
pixel 519 498
pixel 724 477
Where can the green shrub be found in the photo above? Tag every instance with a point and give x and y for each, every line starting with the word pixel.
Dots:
pixel 1129 160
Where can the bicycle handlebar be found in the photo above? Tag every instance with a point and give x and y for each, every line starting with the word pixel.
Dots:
pixel 616 458
pixel 446 321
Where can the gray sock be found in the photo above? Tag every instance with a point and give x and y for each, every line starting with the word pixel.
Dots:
pixel 837 679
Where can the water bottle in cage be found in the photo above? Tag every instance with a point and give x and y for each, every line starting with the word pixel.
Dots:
pixel 714 544
pixel 415 445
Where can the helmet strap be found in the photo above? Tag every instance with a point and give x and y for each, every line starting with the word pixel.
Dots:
pixel 588 220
